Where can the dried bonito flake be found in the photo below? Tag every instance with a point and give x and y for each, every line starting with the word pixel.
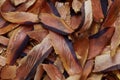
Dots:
pixel 39 72
pixel 20 17
pixel 34 57
pixel 17 42
pixel 82 50
pixel 65 54
pixel 38 34
pixel 87 69
pixel 59 39
pixel 63 9
pixel 99 41
pixel 110 64
pixel 113 13
pixel 115 41
pixel 8 28
pixel 97 10
pixel 53 72
pixel 59 24
pixel 88 16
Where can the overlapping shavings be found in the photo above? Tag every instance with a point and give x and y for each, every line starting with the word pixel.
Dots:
pixel 38 34
pixel 34 58
pixel 99 41
pixel 112 14
pixel 53 72
pixel 64 11
pixel 39 72
pixel 65 54
pixel 87 69
pixel 18 41
pixel 109 64
pixel 59 39
pixel 80 48
pixel 115 41
pixel 59 25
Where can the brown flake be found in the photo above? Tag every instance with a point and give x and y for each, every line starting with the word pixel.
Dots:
pixel 35 56
pixel 17 43
pixel 65 54
pixel 8 72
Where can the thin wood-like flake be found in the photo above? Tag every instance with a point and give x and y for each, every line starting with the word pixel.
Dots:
pixel 88 15
pixel 53 72
pixel 17 43
pixel 59 39
pixel 97 10
pixel 59 25
pixel 81 46
pixel 65 54
pixel 112 14
pixel 32 60
pixel 20 17
pixel 115 41
pixel 110 64
pixel 99 41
